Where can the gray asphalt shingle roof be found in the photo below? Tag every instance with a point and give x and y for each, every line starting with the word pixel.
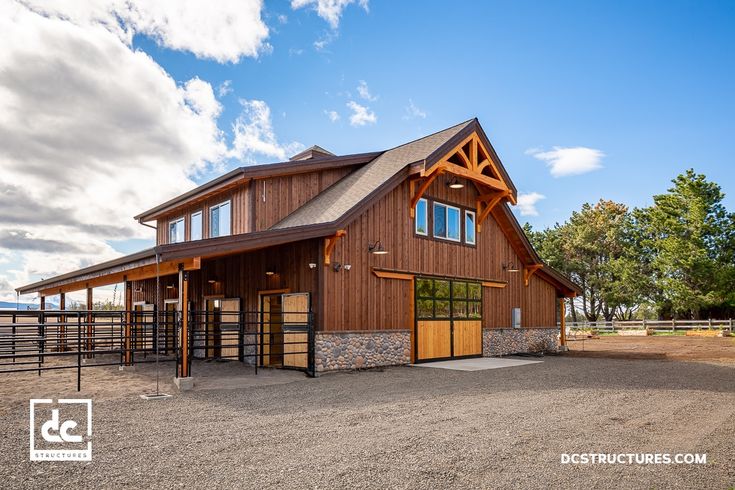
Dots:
pixel 337 200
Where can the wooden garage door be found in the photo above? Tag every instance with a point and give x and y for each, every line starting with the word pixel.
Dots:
pixel 448 319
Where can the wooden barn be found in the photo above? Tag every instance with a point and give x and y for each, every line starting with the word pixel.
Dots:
pixel 391 257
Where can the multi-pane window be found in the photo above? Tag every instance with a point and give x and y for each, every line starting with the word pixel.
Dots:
pixel 422 217
pixel 447 298
pixel 219 220
pixel 195 226
pixel 176 231
pixel 469 227
pixel 446 222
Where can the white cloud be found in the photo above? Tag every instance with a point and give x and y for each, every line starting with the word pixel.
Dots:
pixel 361 115
pixel 226 30
pixel 527 203
pixel 254 133
pixel 364 91
pixel 329 10
pixel 412 111
pixel 569 161
pixel 94 132
pixel 224 88
pixel 332 115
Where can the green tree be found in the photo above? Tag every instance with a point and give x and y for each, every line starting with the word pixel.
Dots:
pixel 687 238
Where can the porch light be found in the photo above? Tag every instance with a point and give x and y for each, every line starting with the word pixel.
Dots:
pixel 377 248
pixel 511 267
pixel 312 265
pixel 347 266
pixel 455 183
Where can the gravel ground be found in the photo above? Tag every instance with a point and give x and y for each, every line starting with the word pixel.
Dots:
pixel 404 428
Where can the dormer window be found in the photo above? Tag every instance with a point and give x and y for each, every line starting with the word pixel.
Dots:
pixel 176 231
pixel 219 220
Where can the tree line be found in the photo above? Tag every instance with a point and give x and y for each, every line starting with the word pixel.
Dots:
pixel 673 259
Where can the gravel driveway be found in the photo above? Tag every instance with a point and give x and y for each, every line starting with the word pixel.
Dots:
pixel 406 428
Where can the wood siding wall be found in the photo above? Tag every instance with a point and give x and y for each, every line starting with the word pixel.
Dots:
pixel 243 276
pixel 358 300
pixel 257 204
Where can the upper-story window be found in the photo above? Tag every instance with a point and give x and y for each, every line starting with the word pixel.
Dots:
pixel 446 222
pixel 422 217
pixel 219 220
pixel 176 231
pixel 469 227
pixel 195 226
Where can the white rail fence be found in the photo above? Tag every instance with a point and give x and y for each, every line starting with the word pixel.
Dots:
pixel 652 325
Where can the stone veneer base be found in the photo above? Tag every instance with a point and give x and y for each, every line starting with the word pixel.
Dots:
pixel 358 350
pixel 506 341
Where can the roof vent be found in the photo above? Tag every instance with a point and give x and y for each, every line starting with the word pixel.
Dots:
pixel 313 152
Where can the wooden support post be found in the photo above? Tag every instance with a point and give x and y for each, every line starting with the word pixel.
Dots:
pixel 562 322
pixel 61 345
pixel 90 331
pixel 42 304
pixel 128 357
pixel 184 312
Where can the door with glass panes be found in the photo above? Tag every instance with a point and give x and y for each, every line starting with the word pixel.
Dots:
pixel 448 319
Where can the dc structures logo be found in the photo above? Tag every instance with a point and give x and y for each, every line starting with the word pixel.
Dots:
pixel 65 430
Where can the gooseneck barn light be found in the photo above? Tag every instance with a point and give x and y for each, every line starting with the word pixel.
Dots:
pixel 377 248
pixel 510 267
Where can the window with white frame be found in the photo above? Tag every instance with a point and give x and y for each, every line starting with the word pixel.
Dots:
pixel 447 222
pixel 422 217
pixel 219 220
pixel 469 227
pixel 176 231
pixel 195 226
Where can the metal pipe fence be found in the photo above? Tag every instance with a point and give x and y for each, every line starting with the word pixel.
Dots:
pixel 38 341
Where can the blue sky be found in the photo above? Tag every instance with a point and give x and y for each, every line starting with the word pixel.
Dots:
pixel 650 84
pixel 644 90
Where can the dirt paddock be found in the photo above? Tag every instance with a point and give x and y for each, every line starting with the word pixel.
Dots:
pixel 393 428
pixel 704 349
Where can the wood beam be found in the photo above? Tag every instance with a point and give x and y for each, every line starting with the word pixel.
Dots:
pixel 562 322
pixel 183 370
pixel 530 270
pixel 494 284
pixel 384 274
pixel 468 162
pixel 490 182
pixel 136 274
pixel 473 152
pixel 329 244
pixel 431 176
pixel 482 214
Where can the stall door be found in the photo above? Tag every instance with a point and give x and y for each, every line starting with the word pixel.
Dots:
pixel 229 328
pixel 295 329
pixel 448 319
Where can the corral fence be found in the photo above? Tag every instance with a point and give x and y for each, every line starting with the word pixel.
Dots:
pixel 660 326
pixel 40 341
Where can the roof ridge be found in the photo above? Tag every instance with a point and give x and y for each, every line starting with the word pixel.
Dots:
pixel 464 123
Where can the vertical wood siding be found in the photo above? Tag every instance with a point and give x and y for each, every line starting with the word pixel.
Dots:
pixel 357 300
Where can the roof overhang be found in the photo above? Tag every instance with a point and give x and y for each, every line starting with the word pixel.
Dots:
pixel 244 174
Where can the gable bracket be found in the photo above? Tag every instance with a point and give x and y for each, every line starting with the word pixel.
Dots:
pixel 329 244
pixel 529 270
pixel 490 203
pixel 430 177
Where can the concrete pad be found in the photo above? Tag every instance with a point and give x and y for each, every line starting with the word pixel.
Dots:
pixel 477 364
pixel 184 384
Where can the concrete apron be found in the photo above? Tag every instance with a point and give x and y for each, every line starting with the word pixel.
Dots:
pixel 476 364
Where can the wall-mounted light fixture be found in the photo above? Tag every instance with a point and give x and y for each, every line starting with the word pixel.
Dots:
pixel 138 290
pixel 212 281
pixel 454 183
pixel 312 265
pixel 169 286
pixel 337 267
pixel 377 248
pixel 510 267
pixel 347 267
pixel 270 273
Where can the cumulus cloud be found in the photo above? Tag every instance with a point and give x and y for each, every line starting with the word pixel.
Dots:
pixel 93 131
pixel 224 88
pixel 329 10
pixel 332 115
pixel 226 30
pixel 254 133
pixel 364 91
pixel 413 112
pixel 569 161
pixel 361 115
pixel 527 203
